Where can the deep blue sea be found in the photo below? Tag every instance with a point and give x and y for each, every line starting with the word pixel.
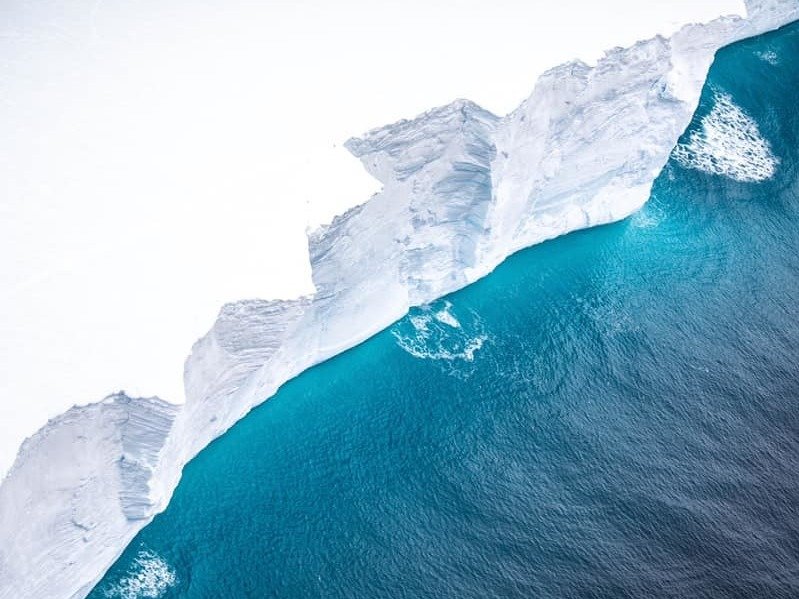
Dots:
pixel 614 413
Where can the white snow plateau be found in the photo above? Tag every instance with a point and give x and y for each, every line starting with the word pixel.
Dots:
pixel 462 189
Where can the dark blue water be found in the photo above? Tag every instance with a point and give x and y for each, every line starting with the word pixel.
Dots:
pixel 628 425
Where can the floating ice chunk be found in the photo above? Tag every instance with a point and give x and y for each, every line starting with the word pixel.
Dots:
pixel 728 143
pixel 444 315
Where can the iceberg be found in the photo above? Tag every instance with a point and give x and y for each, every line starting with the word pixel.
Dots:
pixel 462 190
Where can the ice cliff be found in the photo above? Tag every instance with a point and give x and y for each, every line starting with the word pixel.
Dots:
pixel 462 190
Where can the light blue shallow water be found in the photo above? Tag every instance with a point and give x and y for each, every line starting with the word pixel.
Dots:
pixel 628 425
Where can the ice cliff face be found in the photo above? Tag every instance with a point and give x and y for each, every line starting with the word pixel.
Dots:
pixel 462 189
pixel 436 173
pixel 77 491
pixel 584 148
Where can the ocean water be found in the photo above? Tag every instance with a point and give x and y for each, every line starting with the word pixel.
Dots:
pixel 614 413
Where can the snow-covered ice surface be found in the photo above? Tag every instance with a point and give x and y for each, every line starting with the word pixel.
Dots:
pixel 76 485
pixel 462 189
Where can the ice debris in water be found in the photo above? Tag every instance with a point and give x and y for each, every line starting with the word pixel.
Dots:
pixel 433 332
pixel 728 142
pixel 149 578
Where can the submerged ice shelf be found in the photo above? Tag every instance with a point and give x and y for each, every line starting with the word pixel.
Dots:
pixel 462 190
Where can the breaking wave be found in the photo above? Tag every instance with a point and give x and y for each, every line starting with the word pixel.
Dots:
pixel 728 142
pixel 149 578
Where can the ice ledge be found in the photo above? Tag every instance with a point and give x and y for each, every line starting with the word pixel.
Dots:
pixel 462 189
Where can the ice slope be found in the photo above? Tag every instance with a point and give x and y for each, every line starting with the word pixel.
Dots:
pixel 462 189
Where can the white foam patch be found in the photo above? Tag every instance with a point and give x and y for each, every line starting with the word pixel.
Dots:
pixel 769 56
pixel 149 578
pixel 728 142
pixel 433 332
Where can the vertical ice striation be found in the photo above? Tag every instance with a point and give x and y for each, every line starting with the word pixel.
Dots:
pixel 462 189
pixel 142 433
pixel 436 172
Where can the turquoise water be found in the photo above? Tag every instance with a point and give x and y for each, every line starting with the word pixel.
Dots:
pixel 614 413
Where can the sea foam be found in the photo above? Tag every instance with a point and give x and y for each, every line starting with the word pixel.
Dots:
pixel 769 56
pixel 149 578
pixel 434 332
pixel 728 143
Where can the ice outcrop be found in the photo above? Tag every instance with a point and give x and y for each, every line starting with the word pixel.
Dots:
pixel 79 491
pixel 462 189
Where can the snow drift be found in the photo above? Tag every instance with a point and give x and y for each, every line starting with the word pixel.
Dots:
pixel 462 190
